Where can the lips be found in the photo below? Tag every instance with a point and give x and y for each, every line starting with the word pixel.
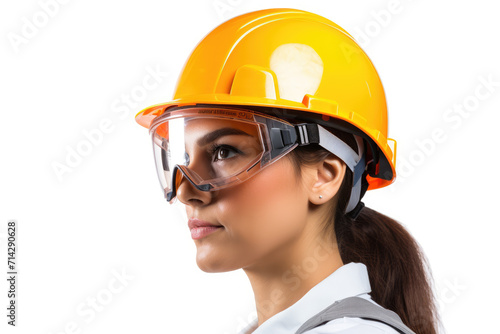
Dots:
pixel 194 223
pixel 200 228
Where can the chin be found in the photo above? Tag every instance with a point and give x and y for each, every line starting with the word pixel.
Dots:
pixel 211 265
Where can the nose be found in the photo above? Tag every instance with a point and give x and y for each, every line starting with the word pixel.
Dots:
pixel 188 194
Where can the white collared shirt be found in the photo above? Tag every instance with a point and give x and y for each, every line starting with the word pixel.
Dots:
pixel 347 281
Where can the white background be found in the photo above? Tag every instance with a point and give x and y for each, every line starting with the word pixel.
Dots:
pixel 107 214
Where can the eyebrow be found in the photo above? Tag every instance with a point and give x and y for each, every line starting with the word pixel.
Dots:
pixel 210 137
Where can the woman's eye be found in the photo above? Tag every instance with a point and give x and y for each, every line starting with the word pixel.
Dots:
pixel 224 152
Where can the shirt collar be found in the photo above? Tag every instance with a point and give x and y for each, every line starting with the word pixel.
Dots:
pixel 347 281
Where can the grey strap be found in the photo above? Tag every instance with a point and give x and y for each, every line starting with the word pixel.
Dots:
pixel 356 307
pixel 335 145
pixel 354 161
pixel 356 177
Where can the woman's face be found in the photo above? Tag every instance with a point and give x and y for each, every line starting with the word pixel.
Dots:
pixel 262 218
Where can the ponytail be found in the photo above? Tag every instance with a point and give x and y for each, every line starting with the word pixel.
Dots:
pixel 397 268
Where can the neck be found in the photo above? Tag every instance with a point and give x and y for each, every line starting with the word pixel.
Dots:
pixel 284 278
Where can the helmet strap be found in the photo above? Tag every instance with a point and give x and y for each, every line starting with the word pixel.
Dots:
pixel 309 133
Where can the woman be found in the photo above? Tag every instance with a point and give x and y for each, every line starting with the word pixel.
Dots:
pixel 277 128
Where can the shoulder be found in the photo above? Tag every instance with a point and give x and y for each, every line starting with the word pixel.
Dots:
pixel 349 325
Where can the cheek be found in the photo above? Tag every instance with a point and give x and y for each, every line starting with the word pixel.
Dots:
pixel 266 210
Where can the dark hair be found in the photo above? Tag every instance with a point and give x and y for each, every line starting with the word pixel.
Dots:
pixel 398 270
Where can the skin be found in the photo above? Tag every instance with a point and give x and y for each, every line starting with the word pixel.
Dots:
pixel 271 228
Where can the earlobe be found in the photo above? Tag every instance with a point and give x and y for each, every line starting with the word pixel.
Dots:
pixel 327 180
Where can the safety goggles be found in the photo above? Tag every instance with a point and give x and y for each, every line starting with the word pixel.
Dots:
pixel 219 147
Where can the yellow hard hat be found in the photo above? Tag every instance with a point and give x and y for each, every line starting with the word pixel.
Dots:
pixel 291 59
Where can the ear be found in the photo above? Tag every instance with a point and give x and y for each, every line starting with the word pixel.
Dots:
pixel 326 179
